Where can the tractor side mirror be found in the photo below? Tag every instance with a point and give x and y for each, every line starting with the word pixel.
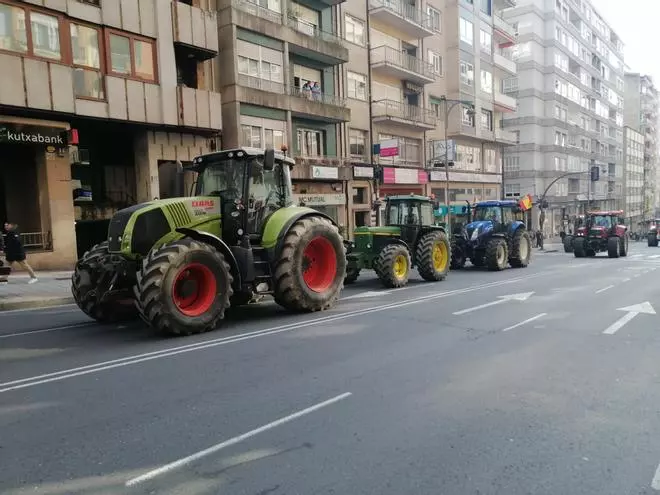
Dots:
pixel 179 185
pixel 269 159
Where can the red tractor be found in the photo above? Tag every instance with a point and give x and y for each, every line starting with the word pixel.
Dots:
pixel 601 231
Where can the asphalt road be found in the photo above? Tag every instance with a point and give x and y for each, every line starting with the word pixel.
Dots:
pixel 529 381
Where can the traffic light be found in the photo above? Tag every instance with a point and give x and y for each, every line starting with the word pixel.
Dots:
pixel 595 173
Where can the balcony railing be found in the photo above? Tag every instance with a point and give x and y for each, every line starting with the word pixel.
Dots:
pixel 397 110
pixel 259 83
pixel 504 27
pixel 405 11
pixel 257 10
pixel 304 27
pixel 402 60
pixel 323 98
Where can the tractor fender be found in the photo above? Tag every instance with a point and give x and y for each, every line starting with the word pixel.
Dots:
pixel 513 228
pixel 289 223
pixel 399 242
pixel 218 244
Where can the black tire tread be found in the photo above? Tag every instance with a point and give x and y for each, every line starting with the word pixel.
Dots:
pixel 491 254
pixel 515 260
pixel 568 244
pixel 352 275
pixel 385 261
pixel 424 256
pixel 613 247
pixel 579 250
pixel 149 281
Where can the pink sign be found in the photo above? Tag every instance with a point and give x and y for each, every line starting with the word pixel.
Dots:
pixel 389 147
pixel 389 176
pixel 422 176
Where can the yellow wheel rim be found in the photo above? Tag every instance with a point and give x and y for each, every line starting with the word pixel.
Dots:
pixel 440 256
pixel 400 266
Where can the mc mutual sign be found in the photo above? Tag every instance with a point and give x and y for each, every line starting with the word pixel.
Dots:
pixel 29 134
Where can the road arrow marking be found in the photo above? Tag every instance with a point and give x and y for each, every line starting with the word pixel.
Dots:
pixel 370 293
pixel 528 320
pixel 631 311
pixel 522 296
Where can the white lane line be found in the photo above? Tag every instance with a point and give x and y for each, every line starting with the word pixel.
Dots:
pixel 654 256
pixel 636 256
pixel 46 310
pixel 173 351
pixel 528 320
pixel 638 275
pixel 626 280
pixel 53 329
pixel 604 289
pixel 233 441
pixel 655 483
pixel 620 323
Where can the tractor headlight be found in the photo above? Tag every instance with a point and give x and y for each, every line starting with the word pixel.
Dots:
pixel 475 234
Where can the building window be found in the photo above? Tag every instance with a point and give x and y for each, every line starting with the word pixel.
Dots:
pixel 560 138
pixel 357 85
pixel 467 73
pixel 436 18
pixel 490 161
pixel 251 136
pixel 273 138
pixel 45 31
pixel 486 82
pixel 511 164
pixel 511 190
pixel 467 116
pixel 435 60
pixel 354 30
pixel 485 41
pixel 258 73
pixel 42 39
pixel 86 60
pixel 487 120
pixel 467 31
pixel 131 56
pixel 484 6
pixel 357 142
pixel 410 150
pixel 310 142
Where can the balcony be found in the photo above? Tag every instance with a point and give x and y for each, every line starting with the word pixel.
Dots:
pixel 504 103
pixel 318 106
pixel 402 16
pixel 312 42
pixel 387 61
pixel 199 108
pixel 195 31
pixel 504 63
pixel 505 136
pixel 503 32
pixel 395 112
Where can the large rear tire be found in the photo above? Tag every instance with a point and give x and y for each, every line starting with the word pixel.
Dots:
pixel 310 271
pixel 613 247
pixel 392 266
pixel 652 240
pixel 579 248
pixel 623 245
pixel 433 256
pixel 184 288
pixel 521 249
pixel 496 254
pixel 568 244
pixel 85 283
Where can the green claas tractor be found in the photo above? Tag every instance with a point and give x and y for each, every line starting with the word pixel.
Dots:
pixel 181 262
pixel 408 240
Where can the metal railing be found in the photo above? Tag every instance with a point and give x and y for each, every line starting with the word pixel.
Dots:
pixel 323 98
pixel 259 83
pixel 391 56
pixel 304 27
pixel 396 109
pixel 405 11
pixel 35 241
pixel 257 10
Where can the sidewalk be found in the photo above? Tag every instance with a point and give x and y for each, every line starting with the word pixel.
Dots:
pixel 52 289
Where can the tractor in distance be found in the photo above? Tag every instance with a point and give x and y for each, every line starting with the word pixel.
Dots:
pixel 496 236
pixel 568 239
pixel 653 234
pixel 409 239
pixel 181 262
pixel 602 231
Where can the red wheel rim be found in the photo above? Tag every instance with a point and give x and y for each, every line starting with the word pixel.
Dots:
pixel 319 264
pixel 194 289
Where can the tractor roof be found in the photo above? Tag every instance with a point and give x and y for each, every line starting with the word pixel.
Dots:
pixel 244 152
pixel 408 197
pixel 606 213
pixel 496 202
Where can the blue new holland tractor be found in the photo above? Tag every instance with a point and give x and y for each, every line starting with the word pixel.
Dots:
pixel 495 236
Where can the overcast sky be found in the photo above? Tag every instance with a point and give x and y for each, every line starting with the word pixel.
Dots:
pixel 636 21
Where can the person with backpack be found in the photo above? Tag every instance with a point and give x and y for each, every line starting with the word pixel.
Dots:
pixel 14 251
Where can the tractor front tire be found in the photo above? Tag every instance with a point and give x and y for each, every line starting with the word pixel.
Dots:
pixel 352 274
pixel 579 248
pixel 184 288
pixel 458 257
pixel 613 247
pixel 310 271
pixel 392 266
pixel 623 246
pixel 84 284
pixel 433 256
pixel 568 244
pixel 521 249
pixel 652 240
pixel 496 254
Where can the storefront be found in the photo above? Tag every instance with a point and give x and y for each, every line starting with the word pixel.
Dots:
pixel 362 196
pixel 323 191
pixel 398 180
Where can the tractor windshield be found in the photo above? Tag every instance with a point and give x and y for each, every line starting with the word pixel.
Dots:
pixel 492 213
pixel 601 221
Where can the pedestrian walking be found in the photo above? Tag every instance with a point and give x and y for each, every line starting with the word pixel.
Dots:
pixel 14 251
pixel 4 270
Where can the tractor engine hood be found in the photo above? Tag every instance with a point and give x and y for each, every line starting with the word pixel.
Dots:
pixel 481 227
pixel 597 231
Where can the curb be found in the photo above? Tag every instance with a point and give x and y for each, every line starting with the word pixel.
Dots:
pixel 32 303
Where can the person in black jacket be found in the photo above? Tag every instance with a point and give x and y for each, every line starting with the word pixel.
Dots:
pixel 3 272
pixel 14 252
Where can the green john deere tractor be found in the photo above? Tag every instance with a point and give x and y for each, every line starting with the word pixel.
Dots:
pixel 180 263
pixel 409 239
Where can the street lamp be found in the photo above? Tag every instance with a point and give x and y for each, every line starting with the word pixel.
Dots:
pixel 542 199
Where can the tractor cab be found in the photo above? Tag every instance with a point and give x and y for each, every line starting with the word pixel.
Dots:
pixel 250 185
pixel 494 217
pixel 602 231
pixel 410 214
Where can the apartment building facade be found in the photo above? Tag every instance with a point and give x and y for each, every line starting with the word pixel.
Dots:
pixel 96 99
pixel 642 103
pixel 633 184
pixel 570 90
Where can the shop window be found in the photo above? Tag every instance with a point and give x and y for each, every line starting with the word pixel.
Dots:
pixel 360 196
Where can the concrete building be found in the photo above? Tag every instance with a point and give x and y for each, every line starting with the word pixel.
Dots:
pixel 570 91
pixel 135 81
pixel 641 113
pixel 633 184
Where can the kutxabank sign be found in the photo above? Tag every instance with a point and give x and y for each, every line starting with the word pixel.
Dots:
pixel 30 134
